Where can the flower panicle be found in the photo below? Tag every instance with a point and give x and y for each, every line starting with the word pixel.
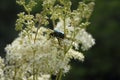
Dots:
pixel 47 41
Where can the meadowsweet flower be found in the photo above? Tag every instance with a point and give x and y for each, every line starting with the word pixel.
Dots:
pixel 85 39
pixel 42 77
pixel 75 54
pixel 39 52
pixel 2 69
pixel 47 52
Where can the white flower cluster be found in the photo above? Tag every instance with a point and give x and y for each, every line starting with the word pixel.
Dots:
pixel 44 53
pixel 1 69
pixel 79 34
pixel 39 53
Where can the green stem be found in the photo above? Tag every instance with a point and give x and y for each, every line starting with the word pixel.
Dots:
pixel 56 77
pixel 59 76
pixel 72 41
pixel 53 21
pixel 35 76
pixel 14 78
pixel 64 35
pixel 34 65
pixel 64 26
pixel 26 9
pixel 37 32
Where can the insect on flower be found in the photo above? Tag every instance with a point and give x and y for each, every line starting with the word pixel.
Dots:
pixel 57 34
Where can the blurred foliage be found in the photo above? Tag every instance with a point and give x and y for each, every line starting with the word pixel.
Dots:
pixel 102 60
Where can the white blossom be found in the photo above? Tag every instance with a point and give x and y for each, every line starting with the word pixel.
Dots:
pixel 1 69
pixel 85 39
pixel 36 54
pixel 75 54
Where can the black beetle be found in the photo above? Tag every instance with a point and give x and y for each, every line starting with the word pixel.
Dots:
pixel 57 34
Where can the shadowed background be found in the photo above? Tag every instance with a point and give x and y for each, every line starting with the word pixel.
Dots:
pixel 102 61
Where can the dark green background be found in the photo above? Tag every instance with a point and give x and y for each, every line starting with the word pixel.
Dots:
pixel 102 61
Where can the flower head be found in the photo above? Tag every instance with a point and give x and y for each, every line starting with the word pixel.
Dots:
pixel 41 51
